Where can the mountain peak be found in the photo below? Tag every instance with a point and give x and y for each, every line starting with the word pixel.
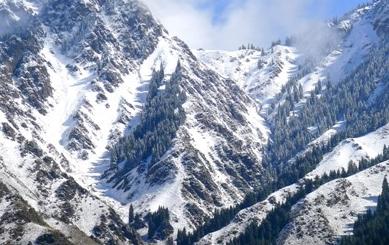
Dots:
pixel 114 132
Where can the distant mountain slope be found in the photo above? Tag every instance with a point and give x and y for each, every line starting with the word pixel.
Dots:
pixel 368 147
pixel 262 74
pixel 328 149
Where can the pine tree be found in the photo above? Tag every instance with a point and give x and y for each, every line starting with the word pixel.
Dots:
pixel 383 200
pixel 352 168
pixel 159 226
pixel 131 215
pixel 161 118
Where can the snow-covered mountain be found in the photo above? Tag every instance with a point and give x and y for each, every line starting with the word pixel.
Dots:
pixel 75 80
pixel 368 147
pixel 263 73
pixel 101 109
pixel 360 34
pixel 260 73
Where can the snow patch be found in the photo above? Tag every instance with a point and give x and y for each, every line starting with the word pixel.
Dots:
pixel 354 149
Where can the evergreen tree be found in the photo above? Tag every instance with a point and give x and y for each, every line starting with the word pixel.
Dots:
pixel 163 114
pixel 383 200
pixel 159 226
pixel 349 101
pixel 138 222
pixel 352 167
pixel 131 215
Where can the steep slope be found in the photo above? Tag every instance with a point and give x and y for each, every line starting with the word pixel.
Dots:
pixel 53 69
pixel 329 53
pixel 328 150
pixel 100 108
pixel 260 73
pixel 354 149
pixel 368 147
pixel 20 222
pixel 59 201
pixel 214 156
pixel 76 81
pixel 330 211
pixel 255 213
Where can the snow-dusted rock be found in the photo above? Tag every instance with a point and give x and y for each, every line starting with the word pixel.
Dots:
pixel 331 210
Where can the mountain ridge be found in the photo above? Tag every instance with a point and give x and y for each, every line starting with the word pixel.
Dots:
pixel 84 83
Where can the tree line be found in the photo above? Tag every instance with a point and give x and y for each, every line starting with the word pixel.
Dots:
pixel 268 231
pixel 361 101
pixel 162 116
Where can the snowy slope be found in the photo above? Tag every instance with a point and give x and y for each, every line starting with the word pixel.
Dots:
pixel 263 84
pixel 331 210
pixel 260 74
pixel 28 225
pixel 352 51
pixel 78 84
pixel 200 149
pixel 256 213
pixel 236 65
pixel 358 37
pixel 65 105
pixel 368 146
pixel 51 192
pixel 75 77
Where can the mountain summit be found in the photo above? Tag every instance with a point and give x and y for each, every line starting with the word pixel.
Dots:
pixel 114 132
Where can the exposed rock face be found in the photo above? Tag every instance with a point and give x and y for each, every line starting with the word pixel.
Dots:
pixel 75 84
pixel 263 79
pixel 329 212
pixel 75 77
pixel 215 156
pixel 20 223
pixel 42 45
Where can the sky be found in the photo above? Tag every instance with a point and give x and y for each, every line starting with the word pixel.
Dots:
pixel 227 24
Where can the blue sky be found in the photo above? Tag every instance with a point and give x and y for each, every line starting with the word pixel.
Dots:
pixel 332 8
pixel 226 24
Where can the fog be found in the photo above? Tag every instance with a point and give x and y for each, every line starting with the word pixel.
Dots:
pixel 242 22
pixel 12 17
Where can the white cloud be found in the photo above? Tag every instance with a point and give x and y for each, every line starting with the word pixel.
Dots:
pixel 245 21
